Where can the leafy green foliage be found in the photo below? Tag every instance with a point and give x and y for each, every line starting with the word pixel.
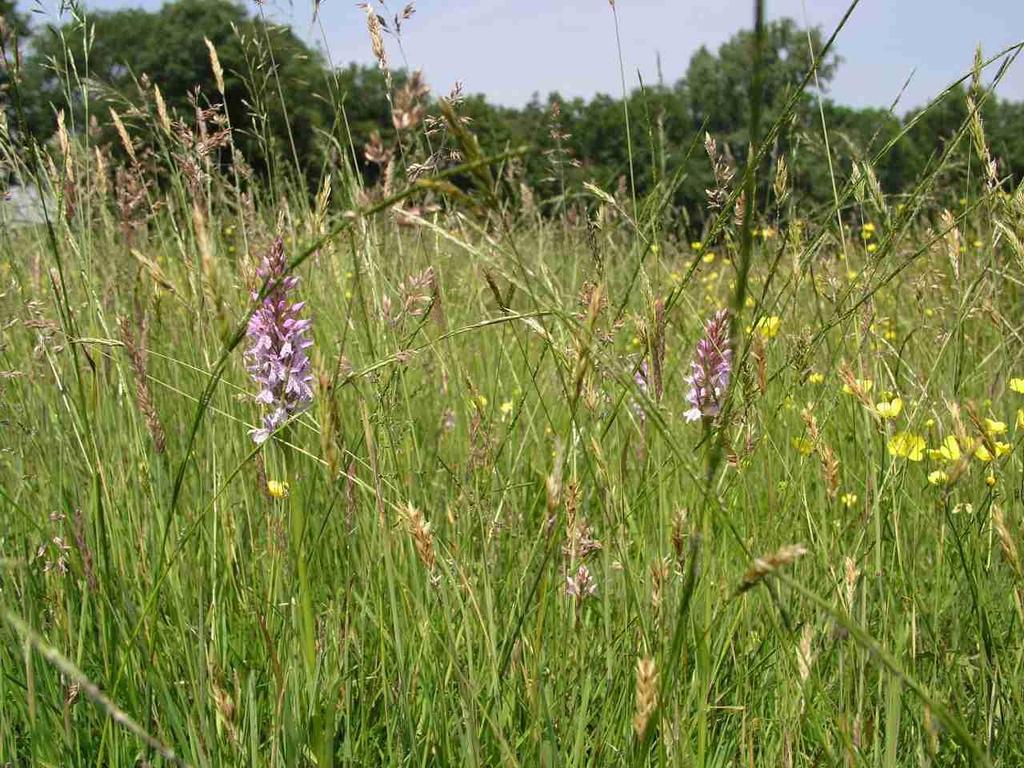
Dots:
pixel 576 140
pixel 494 538
pixel 119 55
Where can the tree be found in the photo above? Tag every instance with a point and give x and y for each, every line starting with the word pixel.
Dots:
pixel 109 53
pixel 718 84
pixel 13 28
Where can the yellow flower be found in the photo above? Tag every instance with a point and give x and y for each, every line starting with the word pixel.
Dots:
pixel 709 257
pixel 506 409
pixel 749 302
pixel 868 229
pixel 816 378
pixel 696 245
pixel 929 312
pixel 767 233
pixel 1017 385
pixel 891 409
pixel 851 274
pixel 906 445
pixel 949 451
pixel 995 428
pixel 848 499
pixel 768 327
pixel 990 480
pixel 890 335
pixel 872 247
pixel 1020 418
pixel 929 423
pixel 865 386
pixel 982 453
pixel 938 477
pixel 278 489
pixel 976 243
pixel 803 446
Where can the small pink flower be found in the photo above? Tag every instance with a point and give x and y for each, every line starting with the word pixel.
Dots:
pixel 710 369
pixel 278 339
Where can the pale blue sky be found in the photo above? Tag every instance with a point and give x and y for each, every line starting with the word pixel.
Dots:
pixel 508 49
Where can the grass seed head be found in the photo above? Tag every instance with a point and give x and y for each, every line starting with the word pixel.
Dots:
pixel 646 694
pixel 768 564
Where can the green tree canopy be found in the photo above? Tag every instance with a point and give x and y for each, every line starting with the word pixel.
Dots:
pixel 274 83
pixel 285 102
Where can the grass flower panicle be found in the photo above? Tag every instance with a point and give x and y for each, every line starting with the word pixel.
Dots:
pixel 278 339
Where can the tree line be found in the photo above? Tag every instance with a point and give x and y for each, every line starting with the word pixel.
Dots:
pixel 286 104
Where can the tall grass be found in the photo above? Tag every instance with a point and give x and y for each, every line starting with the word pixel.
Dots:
pixel 494 539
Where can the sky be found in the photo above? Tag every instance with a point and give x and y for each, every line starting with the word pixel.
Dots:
pixel 511 49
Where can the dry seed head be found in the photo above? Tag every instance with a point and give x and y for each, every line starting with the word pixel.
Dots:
pixel 660 571
pixel 646 694
pixel 826 456
pixel 740 211
pixel 408 110
pixel 679 535
pixel 812 424
pixel 126 142
pixel 768 564
pixel 872 185
pixel 781 184
pixel 977 130
pixel 852 575
pixel 161 110
pixel 854 385
pixel 225 708
pixel 323 201
pixel 422 536
pixel 805 653
pixel 373 26
pixel 218 72
pixel 951 237
pixel 723 173
pixel 829 469
pixel 65 146
pixel 1006 540
pixel 143 397
pixel 203 245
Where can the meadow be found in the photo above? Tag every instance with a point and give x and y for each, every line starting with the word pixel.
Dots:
pixel 561 483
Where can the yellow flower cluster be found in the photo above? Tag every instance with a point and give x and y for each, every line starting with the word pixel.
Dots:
pixel 768 327
pixel 278 489
pixel 907 445
pixel 889 409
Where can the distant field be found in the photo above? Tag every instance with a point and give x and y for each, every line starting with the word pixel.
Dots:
pixel 584 481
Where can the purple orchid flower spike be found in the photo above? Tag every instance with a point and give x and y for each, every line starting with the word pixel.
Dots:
pixel 278 339
pixel 710 370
